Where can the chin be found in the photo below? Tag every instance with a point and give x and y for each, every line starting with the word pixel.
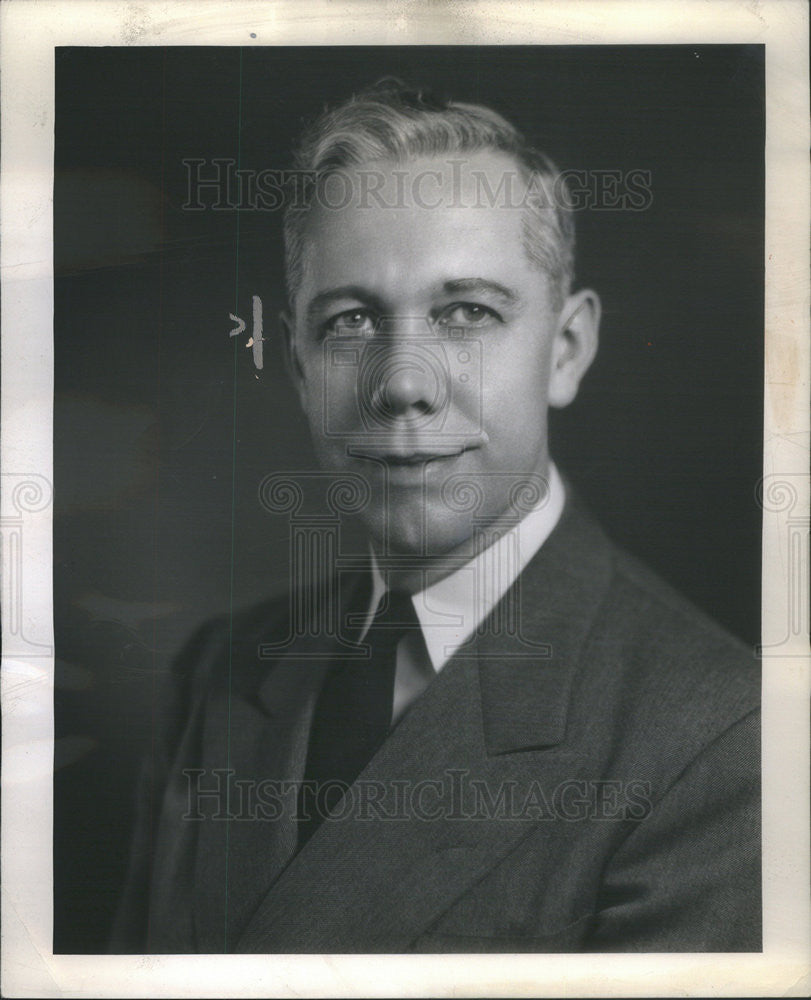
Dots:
pixel 418 532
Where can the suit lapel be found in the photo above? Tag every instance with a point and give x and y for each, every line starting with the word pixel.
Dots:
pixel 376 880
pixel 255 735
pixel 245 746
pixel 527 672
pixel 421 824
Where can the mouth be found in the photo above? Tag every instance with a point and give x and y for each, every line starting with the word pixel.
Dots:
pixel 411 457
pixel 420 457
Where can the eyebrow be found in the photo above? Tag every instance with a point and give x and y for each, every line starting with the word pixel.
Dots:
pixel 482 285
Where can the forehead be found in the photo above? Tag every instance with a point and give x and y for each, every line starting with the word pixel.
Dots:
pixel 412 222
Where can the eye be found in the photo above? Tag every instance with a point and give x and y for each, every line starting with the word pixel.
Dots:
pixel 467 314
pixel 355 321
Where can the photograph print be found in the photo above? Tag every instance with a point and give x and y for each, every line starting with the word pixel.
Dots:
pixel 407 443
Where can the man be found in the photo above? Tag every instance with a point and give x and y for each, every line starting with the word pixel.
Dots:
pixel 498 732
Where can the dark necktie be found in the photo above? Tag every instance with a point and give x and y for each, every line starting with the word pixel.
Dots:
pixel 352 715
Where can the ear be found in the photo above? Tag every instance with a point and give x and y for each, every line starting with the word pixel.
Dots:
pixel 291 358
pixel 574 345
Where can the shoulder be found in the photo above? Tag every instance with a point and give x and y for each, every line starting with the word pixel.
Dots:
pixel 658 680
pixel 665 635
pixel 226 644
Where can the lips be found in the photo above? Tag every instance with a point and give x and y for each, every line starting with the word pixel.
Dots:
pixel 406 457
pixel 419 457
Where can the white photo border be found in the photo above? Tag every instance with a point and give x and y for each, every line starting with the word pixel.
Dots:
pixel 29 33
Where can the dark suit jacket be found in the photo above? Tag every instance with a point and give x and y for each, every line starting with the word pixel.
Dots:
pixel 606 762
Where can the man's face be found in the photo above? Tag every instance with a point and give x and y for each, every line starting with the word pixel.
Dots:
pixel 427 350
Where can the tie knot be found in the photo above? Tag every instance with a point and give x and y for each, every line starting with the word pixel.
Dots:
pixel 395 616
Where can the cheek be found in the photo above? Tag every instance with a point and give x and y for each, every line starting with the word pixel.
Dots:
pixel 515 386
pixel 311 395
pixel 314 370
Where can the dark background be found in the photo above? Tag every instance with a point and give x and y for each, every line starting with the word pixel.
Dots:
pixel 163 433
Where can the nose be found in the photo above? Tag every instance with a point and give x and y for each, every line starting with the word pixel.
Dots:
pixel 406 385
pixel 406 378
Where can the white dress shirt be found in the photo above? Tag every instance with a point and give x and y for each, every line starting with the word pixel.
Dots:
pixel 450 610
